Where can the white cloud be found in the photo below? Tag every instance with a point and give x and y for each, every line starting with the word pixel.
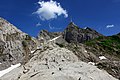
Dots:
pixel 50 10
pixel 38 24
pixel 110 26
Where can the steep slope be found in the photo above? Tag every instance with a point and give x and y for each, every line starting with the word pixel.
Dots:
pixel 108 45
pixel 44 34
pixel 55 63
pixel 12 44
pixel 110 48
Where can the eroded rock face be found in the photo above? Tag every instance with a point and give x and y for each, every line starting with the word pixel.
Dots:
pixel 11 47
pixel 75 34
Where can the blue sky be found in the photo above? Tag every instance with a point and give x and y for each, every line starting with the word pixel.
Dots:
pixel 31 17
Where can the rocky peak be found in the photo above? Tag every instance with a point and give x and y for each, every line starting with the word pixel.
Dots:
pixel 72 26
pixel 75 34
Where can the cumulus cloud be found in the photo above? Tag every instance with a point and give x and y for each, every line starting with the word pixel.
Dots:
pixel 110 26
pixel 50 10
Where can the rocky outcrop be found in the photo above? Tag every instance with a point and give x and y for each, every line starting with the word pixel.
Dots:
pixel 44 34
pixel 11 47
pixel 75 34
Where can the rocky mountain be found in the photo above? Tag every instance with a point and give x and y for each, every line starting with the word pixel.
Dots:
pixel 75 34
pixel 89 46
pixel 74 54
pixel 12 44
pixel 71 34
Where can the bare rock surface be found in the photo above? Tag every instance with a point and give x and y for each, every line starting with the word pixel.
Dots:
pixel 55 63
pixel 75 34
pixel 11 44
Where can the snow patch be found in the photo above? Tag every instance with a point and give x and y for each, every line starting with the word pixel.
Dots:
pixel 3 72
pixel 54 38
pixel 91 63
pixel 102 57
pixel 32 51
pixel 85 27
pixel 85 51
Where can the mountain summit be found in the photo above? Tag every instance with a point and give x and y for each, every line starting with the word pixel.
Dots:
pixel 75 34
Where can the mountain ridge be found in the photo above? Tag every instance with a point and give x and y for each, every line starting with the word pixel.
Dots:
pixel 22 48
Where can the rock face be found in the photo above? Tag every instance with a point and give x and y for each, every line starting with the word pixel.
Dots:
pixel 44 34
pixel 11 48
pixel 75 34
pixel 55 63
